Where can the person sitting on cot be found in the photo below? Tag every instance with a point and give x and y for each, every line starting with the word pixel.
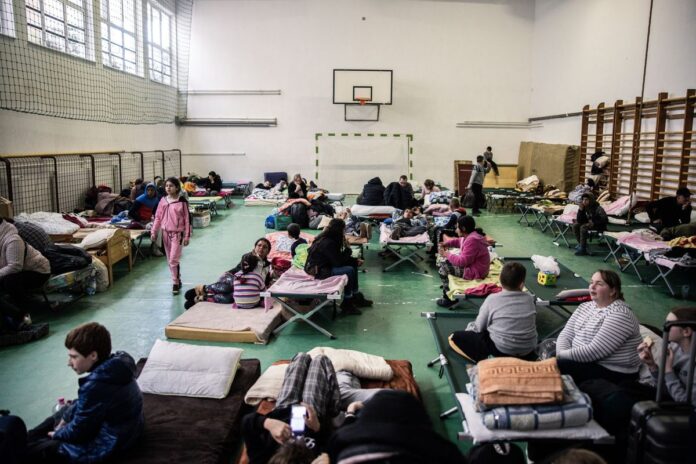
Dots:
pixel 601 338
pixel 137 189
pixel 591 217
pixel 330 255
pixel 214 184
pixel 222 291
pixel 22 270
pixel 449 229
pixel 145 205
pixel 298 188
pixel 472 262
pixel 294 234
pixel 677 363
pixel 671 211
pixel 106 419
pixel 506 322
pixel 311 399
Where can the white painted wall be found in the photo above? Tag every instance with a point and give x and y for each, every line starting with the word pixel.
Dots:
pixel 28 133
pixel 592 51
pixel 453 61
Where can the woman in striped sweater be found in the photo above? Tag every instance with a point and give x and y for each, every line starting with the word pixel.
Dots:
pixel 601 338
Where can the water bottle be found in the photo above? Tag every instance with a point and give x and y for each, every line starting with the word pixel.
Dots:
pixel 91 286
pixel 59 405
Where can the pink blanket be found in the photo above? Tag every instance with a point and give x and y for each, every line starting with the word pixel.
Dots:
pixel 641 244
pixel 297 281
pixel 618 207
pixel 281 243
pixel 385 237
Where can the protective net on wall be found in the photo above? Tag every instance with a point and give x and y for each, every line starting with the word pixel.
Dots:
pixel 115 61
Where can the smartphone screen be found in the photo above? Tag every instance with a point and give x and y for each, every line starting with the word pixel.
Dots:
pixel 297 419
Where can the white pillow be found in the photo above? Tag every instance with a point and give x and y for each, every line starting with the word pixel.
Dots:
pixel 96 239
pixel 573 293
pixel 178 369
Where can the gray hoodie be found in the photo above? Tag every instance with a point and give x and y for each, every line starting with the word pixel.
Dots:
pixel 16 256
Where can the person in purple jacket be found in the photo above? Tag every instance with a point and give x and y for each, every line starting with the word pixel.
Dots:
pixel 472 262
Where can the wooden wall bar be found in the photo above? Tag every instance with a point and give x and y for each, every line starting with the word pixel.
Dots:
pixel 650 144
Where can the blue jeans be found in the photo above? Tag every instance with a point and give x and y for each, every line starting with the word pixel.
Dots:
pixel 352 273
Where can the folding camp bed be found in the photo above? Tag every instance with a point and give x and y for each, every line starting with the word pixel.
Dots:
pixel 545 296
pixel 454 368
pixel 405 248
pixel 208 202
pixel 634 249
pixel 665 268
pixel 183 430
pixel 296 284
pixel 372 213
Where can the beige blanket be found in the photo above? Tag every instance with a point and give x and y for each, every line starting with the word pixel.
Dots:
pixel 216 316
pixel 363 365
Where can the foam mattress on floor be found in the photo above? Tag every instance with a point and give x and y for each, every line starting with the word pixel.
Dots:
pixel 222 323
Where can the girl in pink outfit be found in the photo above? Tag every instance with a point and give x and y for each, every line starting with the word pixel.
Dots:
pixel 172 218
pixel 473 261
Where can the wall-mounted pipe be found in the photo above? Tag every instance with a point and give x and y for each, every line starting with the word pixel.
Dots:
pixel 496 125
pixel 230 92
pixel 228 122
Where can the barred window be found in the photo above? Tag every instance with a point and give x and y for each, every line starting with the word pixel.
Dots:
pixel 63 25
pixel 7 24
pixel 160 34
pixel 121 37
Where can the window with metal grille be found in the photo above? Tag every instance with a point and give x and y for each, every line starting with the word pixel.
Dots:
pixel 63 25
pixel 160 46
pixel 121 36
pixel 7 25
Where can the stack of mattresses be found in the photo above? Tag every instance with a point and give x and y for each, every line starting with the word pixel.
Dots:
pixel 552 164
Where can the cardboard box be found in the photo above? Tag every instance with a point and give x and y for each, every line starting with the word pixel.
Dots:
pixel 6 210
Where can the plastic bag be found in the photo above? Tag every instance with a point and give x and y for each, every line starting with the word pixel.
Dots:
pixel 546 264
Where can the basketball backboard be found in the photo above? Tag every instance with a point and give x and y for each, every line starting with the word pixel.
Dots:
pixel 352 85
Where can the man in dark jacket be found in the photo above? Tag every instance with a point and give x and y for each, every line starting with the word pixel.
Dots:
pixel 107 417
pixel 373 193
pixel 590 217
pixel 671 211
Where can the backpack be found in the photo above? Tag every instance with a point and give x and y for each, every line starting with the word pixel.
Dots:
pixel 298 212
pixel 66 258
pixel 270 222
pixel 301 254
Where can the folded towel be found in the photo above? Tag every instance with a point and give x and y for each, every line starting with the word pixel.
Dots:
pixel 503 381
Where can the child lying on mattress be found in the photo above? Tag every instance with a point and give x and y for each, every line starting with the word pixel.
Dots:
pixel 309 421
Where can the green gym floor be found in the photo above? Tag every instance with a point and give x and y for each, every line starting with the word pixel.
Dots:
pixel 140 304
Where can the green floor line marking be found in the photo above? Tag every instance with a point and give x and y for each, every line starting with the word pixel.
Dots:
pixel 397 135
pixel 358 135
pixel 316 136
pixel 331 134
pixel 370 135
pixel 345 134
pixel 317 149
pixel 384 135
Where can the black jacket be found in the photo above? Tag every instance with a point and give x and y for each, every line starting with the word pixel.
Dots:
pixel 326 254
pixel 293 194
pixel 373 193
pixel 594 213
pixel 398 197
pixel 393 421
pixel 669 212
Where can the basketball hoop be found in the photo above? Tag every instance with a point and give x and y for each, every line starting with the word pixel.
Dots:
pixel 362 101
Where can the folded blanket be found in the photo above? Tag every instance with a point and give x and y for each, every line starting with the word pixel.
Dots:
pixel 505 381
pixel 575 412
pixel 458 286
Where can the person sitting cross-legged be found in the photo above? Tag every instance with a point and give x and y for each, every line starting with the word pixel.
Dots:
pixel 506 322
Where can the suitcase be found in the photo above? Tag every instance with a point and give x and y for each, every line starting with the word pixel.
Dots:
pixel 659 431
